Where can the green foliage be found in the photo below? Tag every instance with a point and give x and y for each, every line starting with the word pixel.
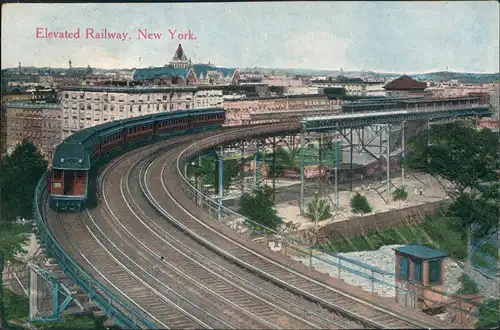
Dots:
pixel 318 209
pixel 446 232
pixel 84 321
pixel 10 247
pixel 458 153
pixel 286 158
pixel 467 285
pixel 469 159
pixel 16 306
pixel 209 171
pixel 489 314
pixel 400 194
pixel 20 172
pixel 477 213
pixel 259 207
pixel 359 204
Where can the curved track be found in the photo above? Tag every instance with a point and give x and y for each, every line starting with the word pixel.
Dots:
pixel 190 271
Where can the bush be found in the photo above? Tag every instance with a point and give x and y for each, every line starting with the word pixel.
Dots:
pixel 400 194
pixel 489 314
pixel 467 285
pixel 359 204
pixel 443 231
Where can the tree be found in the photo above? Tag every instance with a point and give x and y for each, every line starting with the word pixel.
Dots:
pixel 318 209
pixel 468 158
pixel 359 204
pixel 400 194
pixel 10 248
pixel 210 172
pixel 489 314
pixel 20 173
pixel 258 206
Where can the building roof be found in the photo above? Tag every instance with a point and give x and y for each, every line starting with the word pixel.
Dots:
pixel 405 83
pixel 203 69
pixel 136 89
pixel 151 73
pixel 179 54
pixel 421 252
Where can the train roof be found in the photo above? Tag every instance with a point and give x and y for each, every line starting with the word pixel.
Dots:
pixel 71 156
pixel 72 152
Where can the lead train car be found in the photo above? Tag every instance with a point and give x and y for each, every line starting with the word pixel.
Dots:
pixel 72 183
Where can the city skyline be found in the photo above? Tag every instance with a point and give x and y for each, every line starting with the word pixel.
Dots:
pixel 382 36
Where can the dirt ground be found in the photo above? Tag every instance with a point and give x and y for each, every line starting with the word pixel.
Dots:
pixel 376 192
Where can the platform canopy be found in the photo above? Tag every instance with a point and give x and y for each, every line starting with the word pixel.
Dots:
pixel 421 252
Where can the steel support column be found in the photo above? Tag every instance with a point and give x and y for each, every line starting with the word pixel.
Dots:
pixel 388 166
pixel 255 163
pixel 221 180
pixel 320 161
pixel 350 161
pixel 301 172
pixel 403 163
pixel 242 169
pixel 428 158
pixel 337 198
pixel 274 169
pixel 33 294
pixel 199 182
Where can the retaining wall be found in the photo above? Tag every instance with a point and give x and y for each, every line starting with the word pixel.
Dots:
pixel 379 221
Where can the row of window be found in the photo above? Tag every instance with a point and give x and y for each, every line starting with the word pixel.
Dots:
pixel 434 271
pixel 112 97
pixel 122 108
pixel 57 175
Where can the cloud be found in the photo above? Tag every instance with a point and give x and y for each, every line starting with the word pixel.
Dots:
pixel 385 36
pixel 315 49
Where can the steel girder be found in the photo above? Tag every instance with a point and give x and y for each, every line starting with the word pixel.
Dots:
pixel 338 123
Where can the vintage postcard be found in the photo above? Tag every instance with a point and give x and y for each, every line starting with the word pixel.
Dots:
pixel 250 165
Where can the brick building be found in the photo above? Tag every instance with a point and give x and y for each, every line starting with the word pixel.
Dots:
pixel 39 123
pixel 404 86
pixel 19 95
pixel 239 110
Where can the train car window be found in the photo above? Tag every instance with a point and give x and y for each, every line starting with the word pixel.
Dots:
pixel 57 175
pixel 80 177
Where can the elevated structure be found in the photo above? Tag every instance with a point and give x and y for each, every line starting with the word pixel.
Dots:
pixel 127 315
pixel 414 110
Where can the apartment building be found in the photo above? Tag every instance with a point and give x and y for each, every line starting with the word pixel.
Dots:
pixel 84 107
pixel 39 123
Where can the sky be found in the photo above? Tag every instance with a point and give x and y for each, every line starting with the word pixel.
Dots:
pixel 399 37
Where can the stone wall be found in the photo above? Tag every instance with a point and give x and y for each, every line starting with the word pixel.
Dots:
pixel 379 221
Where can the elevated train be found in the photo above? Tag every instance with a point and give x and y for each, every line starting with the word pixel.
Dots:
pixel 72 182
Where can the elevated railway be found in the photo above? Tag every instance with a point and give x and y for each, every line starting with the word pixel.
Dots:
pixel 208 277
pixel 152 258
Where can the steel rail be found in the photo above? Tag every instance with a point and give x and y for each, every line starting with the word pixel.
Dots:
pixel 224 269
pixel 215 141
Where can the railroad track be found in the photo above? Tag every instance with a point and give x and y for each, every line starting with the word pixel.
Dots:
pixel 175 205
pixel 206 278
pixel 111 265
pixel 242 299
